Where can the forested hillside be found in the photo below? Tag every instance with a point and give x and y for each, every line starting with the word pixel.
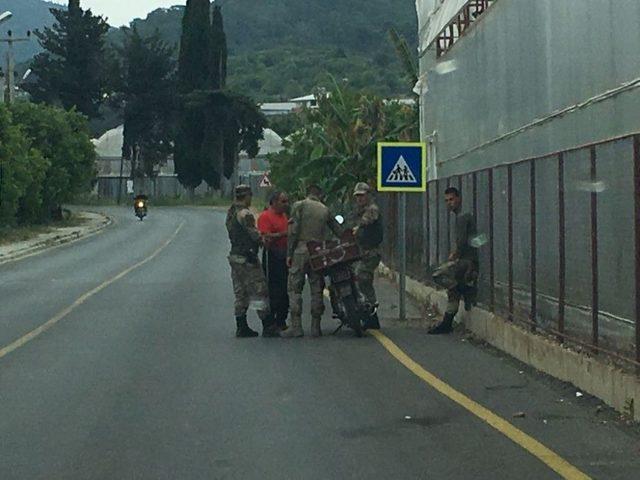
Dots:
pixel 284 48
pixel 278 48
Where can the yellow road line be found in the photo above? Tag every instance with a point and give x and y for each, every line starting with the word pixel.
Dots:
pixel 50 323
pixel 535 448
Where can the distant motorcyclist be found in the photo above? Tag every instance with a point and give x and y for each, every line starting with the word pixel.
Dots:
pixel 139 199
pixel 140 203
pixel 368 232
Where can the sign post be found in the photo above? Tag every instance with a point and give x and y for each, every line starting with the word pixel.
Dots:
pixel 402 168
pixel 402 254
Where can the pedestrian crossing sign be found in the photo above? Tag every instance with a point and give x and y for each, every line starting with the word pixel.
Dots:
pixel 402 167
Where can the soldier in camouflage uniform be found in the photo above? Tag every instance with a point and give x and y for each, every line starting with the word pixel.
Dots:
pixel 464 263
pixel 249 284
pixel 368 233
pixel 310 221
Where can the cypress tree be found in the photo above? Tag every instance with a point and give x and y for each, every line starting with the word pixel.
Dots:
pixel 238 123
pixel 214 123
pixel 71 70
pixel 218 56
pixel 193 75
pixel 214 146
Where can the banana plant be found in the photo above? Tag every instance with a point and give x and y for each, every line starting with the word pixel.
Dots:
pixel 337 145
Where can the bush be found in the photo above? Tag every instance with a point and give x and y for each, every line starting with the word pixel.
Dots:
pixel 335 145
pixel 46 158
pixel 64 140
pixel 22 170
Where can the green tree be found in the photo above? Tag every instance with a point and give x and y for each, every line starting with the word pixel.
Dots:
pixel 63 140
pixel 148 84
pixel 22 170
pixel 193 75
pixel 71 71
pixel 244 125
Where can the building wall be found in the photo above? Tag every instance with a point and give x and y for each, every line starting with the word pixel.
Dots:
pixel 523 61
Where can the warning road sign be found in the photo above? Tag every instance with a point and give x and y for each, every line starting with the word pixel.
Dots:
pixel 402 167
pixel 265 182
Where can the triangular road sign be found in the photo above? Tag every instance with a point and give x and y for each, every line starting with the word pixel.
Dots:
pixel 265 182
pixel 401 173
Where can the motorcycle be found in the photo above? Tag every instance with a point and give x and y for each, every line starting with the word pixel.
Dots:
pixel 334 258
pixel 140 207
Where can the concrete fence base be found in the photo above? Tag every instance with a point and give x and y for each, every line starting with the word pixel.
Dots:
pixel 617 388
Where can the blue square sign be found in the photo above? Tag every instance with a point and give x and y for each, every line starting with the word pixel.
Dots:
pixel 402 167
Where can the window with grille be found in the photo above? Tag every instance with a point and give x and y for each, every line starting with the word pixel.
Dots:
pixel 469 14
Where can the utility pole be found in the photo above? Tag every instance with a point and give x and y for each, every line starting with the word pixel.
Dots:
pixel 10 92
pixel 3 18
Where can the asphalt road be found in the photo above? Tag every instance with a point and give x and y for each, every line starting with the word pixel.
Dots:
pixel 144 379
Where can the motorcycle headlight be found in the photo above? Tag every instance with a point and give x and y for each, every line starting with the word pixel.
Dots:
pixel 140 204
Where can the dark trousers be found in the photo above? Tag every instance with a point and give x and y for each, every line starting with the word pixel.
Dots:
pixel 274 263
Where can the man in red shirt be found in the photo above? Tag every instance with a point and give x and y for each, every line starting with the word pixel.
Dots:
pixel 273 224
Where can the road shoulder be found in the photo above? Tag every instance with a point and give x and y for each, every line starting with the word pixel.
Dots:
pixel 575 425
pixel 93 224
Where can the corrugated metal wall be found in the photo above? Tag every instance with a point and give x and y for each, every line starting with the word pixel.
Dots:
pixel 523 61
pixel 525 274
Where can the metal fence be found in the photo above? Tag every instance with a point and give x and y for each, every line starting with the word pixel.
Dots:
pixel 563 241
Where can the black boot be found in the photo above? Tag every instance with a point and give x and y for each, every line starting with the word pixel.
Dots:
pixel 446 326
pixel 243 330
pixel 470 296
pixel 272 331
pixel 269 327
pixel 372 323
pixel 281 320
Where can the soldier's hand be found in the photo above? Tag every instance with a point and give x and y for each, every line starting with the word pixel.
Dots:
pixel 289 262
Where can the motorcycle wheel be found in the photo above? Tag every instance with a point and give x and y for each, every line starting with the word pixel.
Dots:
pixel 353 315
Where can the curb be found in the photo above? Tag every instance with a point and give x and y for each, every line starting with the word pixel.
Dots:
pixel 56 241
pixel 617 388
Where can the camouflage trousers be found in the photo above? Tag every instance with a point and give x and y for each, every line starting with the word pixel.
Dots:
pixel 249 285
pixel 298 272
pixel 466 274
pixel 365 270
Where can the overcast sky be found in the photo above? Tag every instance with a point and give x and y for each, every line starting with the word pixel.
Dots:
pixel 121 12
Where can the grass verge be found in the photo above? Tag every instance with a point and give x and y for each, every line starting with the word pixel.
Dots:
pixel 22 233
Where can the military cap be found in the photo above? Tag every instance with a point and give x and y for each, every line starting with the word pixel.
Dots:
pixel 361 188
pixel 242 190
